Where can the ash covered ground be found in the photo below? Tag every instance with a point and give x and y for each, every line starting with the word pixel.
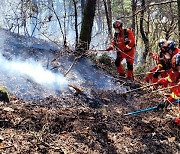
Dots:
pixel 41 119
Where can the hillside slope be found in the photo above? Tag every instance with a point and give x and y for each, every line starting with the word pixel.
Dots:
pixel 92 121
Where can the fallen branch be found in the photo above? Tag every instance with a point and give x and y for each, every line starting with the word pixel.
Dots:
pixel 73 63
pixel 2 148
pixel 140 88
pixel 78 90
pixel 154 91
pixel 162 89
pixel 148 73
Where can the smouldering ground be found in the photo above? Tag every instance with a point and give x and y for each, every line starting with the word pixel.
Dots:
pixel 89 122
pixel 79 124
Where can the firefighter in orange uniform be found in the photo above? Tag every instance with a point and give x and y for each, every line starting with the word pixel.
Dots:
pixel 173 80
pixel 124 43
pixel 161 68
pixel 168 50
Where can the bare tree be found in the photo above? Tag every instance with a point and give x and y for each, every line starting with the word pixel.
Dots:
pixel 178 2
pixel 82 5
pixel 62 27
pixel 87 24
pixel 64 23
pixel 24 16
pixel 133 6
pixel 76 22
pixel 144 37
pixel 107 6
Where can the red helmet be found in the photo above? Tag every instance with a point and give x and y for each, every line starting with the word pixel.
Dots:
pixel 168 45
pixel 161 42
pixel 118 24
pixel 175 60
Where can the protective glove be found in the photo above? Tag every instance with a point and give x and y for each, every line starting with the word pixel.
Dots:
pixel 163 105
pixel 163 82
pixel 126 41
pixel 109 48
pixel 156 73
pixel 153 55
pixel 177 121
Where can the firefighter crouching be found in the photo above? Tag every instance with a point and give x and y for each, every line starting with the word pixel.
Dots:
pixel 160 69
pixel 168 50
pixel 124 43
pixel 173 80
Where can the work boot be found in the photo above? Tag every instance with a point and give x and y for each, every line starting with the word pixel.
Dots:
pixel 130 75
pixel 120 70
pixel 130 78
pixel 177 121
pixel 121 74
pixel 163 105
pixel 147 79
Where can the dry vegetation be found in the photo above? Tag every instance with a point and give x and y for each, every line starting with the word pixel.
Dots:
pixel 78 123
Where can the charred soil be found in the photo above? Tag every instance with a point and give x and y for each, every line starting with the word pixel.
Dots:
pixel 80 123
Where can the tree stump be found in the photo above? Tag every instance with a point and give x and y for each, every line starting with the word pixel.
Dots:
pixel 4 95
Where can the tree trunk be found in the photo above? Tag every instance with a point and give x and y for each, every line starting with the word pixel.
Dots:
pixel 178 2
pixel 87 24
pixel 107 6
pixel 82 6
pixel 133 6
pixel 144 37
pixel 76 22
pixel 64 24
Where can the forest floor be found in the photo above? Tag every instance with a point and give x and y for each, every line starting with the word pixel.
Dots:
pixel 78 123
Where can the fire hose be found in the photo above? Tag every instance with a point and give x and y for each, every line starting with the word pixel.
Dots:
pixel 148 109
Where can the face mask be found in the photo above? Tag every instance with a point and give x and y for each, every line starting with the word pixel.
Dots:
pixel 117 30
pixel 167 56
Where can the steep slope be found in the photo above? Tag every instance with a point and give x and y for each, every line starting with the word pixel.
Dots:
pixel 89 122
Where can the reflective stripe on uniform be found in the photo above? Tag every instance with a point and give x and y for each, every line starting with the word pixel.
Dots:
pixel 159 65
pixel 111 46
pixel 173 95
pixel 127 46
pixel 169 79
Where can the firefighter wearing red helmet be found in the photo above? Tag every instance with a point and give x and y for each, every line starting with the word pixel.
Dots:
pixel 124 43
pixel 162 67
pixel 169 49
pixel 173 80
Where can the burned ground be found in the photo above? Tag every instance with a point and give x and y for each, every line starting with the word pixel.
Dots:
pixel 79 124
pixel 92 121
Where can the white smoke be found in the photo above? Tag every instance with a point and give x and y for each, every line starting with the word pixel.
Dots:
pixel 35 71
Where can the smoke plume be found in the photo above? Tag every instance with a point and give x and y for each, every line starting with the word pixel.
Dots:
pixel 34 71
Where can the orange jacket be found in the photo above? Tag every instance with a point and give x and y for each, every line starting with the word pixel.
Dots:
pixel 120 41
pixel 156 57
pixel 162 62
pixel 173 80
pixel 177 50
